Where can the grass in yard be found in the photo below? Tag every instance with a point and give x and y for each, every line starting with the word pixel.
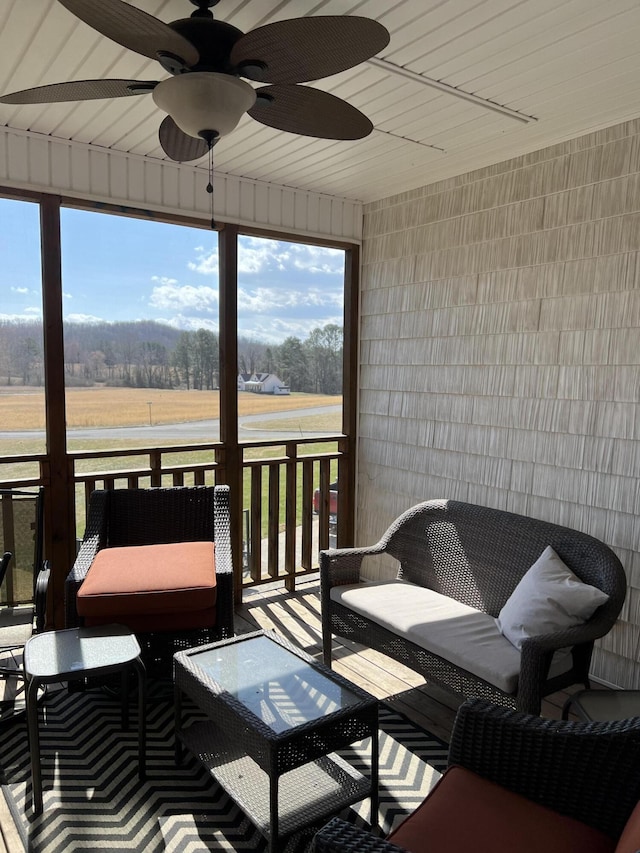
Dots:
pixel 305 423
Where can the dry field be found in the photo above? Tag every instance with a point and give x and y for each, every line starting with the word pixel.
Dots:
pixel 23 408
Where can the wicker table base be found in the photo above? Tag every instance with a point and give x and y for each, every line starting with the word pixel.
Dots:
pixel 280 769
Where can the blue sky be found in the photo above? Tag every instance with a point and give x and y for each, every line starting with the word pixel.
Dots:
pixel 119 268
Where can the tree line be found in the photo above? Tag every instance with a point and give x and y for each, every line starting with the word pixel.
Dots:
pixel 147 354
pixel 312 365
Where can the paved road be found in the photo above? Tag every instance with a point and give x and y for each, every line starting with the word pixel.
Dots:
pixel 192 431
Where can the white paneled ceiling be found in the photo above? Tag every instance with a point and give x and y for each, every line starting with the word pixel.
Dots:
pixel 571 67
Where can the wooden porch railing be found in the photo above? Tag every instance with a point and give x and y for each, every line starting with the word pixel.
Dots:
pixel 281 533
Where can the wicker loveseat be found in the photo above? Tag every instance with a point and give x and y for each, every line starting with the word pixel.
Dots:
pixel 474 556
pixel 519 784
pixel 159 591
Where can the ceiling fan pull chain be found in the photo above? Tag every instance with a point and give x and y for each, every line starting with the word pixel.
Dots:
pixel 210 184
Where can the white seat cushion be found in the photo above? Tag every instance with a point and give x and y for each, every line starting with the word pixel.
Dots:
pixel 456 632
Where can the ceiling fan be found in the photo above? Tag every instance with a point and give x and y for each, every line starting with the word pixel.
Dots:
pixel 205 96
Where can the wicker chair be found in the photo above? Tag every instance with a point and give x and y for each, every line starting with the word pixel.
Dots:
pixel 121 518
pixel 587 772
pixel 475 555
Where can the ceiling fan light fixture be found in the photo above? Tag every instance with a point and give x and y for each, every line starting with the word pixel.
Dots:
pixel 204 101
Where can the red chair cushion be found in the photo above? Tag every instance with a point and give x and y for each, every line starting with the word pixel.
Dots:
pixel 466 812
pixel 629 841
pixel 151 587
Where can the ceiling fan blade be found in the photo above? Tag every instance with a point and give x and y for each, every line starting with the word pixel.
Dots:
pixel 304 49
pixel 178 145
pixel 79 90
pixel 133 28
pixel 309 112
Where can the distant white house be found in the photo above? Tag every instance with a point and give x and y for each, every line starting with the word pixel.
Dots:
pixel 262 383
pixel 243 378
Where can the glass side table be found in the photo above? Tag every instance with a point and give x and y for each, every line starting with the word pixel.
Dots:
pixel 72 654
pixel 602 705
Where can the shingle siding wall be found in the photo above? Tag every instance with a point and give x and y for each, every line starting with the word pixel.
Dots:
pixel 500 351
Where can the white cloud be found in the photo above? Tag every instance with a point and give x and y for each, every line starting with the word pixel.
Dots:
pixel 20 290
pixel 174 297
pixel 259 255
pixel 256 254
pixel 207 261
pixel 285 289
pixel 318 259
pixel 192 324
pixel 85 318
pixel 274 331
pixel 27 316
pixel 163 279
pixel 265 300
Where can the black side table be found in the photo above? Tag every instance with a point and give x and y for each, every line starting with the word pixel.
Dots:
pixel 72 654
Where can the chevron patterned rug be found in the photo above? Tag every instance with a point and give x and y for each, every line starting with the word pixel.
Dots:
pixel 93 799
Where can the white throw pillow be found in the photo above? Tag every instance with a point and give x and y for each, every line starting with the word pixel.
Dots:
pixel 549 598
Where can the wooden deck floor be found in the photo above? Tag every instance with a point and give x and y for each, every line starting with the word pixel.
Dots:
pixel 297 617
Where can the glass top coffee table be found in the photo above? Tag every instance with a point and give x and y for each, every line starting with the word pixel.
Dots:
pixel 276 718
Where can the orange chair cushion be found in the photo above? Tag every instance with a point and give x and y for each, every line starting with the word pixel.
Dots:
pixel 466 812
pixel 151 587
pixel 629 841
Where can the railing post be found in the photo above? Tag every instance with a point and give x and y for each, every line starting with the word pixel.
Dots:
pixel 346 495
pixel 256 523
pixel 323 514
pixel 155 464
pixel 273 546
pixel 307 514
pixel 290 517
